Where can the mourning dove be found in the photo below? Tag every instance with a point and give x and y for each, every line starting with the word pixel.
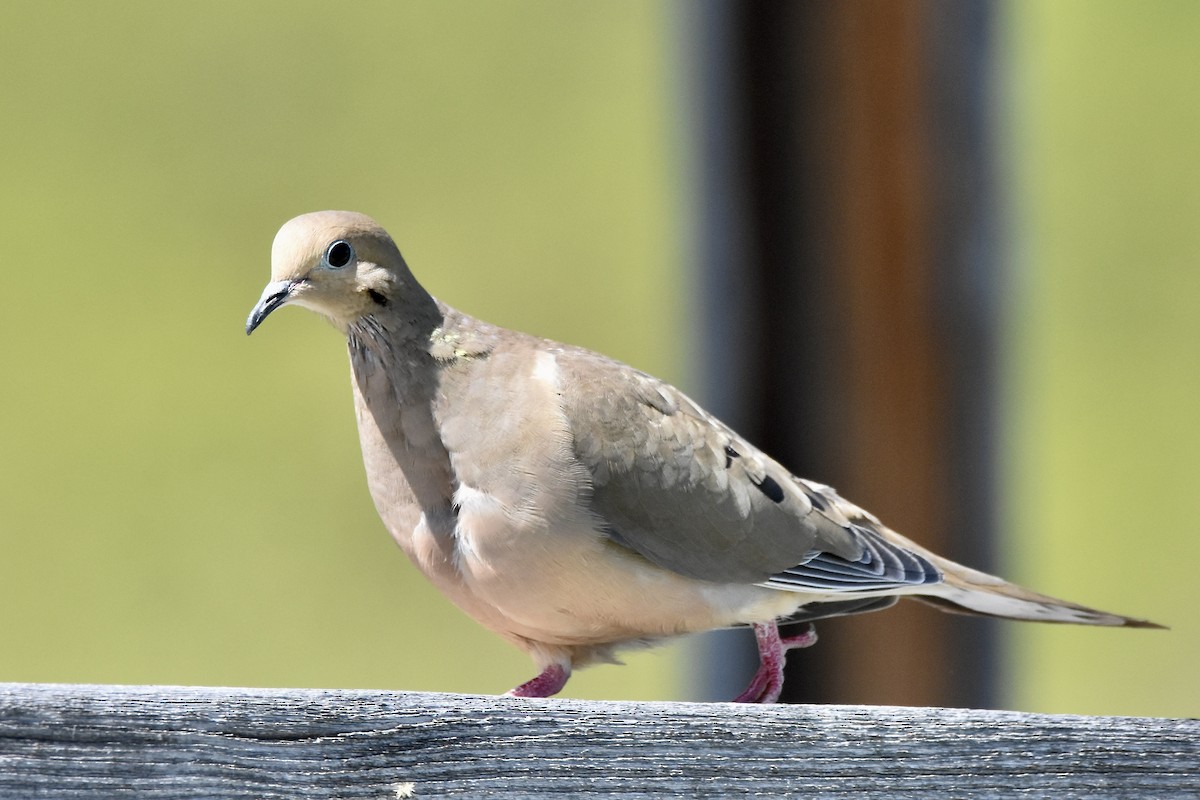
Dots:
pixel 577 506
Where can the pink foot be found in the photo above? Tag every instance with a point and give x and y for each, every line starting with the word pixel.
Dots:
pixel 772 650
pixel 550 682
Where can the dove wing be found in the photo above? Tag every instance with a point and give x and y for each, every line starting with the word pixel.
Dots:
pixel 676 485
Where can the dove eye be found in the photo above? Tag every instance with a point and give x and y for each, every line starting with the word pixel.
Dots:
pixel 339 254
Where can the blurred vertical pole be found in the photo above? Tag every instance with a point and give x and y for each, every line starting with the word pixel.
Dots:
pixel 729 291
pixel 844 237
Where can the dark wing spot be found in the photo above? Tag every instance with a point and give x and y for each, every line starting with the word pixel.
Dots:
pixel 730 455
pixel 770 488
pixel 817 500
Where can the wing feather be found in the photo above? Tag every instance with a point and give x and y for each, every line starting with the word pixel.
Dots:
pixel 882 566
pixel 678 486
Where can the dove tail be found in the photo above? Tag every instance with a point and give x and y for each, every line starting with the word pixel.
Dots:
pixel 968 591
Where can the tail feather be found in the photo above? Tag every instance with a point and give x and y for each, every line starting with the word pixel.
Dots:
pixel 969 591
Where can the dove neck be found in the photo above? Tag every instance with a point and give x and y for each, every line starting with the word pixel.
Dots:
pixel 397 336
pixel 394 380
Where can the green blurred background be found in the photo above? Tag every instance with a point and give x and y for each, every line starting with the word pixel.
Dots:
pixel 181 505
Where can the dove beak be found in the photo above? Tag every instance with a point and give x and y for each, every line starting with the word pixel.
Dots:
pixel 275 295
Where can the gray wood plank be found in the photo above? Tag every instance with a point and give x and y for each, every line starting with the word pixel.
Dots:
pixel 77 741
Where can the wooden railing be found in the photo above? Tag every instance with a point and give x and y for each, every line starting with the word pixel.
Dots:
pixel 78 741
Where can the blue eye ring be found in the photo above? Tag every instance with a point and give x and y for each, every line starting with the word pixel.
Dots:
pixel 339 254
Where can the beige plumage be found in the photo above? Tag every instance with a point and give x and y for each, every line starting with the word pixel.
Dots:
pixel 575 505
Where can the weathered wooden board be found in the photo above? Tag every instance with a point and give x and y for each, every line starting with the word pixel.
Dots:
pixel 169 742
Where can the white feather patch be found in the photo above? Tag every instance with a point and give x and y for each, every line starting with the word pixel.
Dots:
pixel 545 369
pixel 475 508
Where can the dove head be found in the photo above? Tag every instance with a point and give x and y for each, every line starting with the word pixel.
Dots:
pixel 341 264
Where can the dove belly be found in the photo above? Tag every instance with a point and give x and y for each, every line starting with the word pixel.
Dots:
pixel 564 583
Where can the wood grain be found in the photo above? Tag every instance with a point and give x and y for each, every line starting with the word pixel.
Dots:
pixel 78 741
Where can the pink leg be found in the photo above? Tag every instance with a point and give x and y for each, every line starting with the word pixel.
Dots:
pixel 772 650
pixel 550 682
